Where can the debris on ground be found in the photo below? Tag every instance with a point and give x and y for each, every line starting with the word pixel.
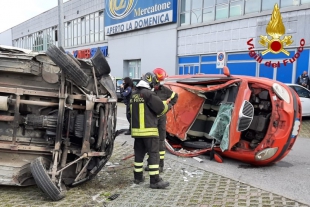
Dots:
pixel 198 159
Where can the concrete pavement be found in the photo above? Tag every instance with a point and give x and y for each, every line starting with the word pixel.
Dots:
pixel 190 185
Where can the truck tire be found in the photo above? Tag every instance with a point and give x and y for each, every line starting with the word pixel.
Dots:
pixel 68 65
pixel 43 180
pixel 70 55
pixel 100 64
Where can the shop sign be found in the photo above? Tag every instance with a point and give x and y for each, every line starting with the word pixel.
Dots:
pixel 127 15
pixel 275 43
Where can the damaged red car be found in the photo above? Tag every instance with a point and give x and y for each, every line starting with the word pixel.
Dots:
pixel 254 120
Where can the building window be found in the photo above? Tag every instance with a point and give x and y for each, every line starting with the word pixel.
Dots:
pixel 101 25
pixel 208 11
pixel 30 42
pixel 91 27
pixel 287 3
pixel 83 34
pixel 269 4
pixel 236 8
pixel 185 12
pixel 221 11
pixel 75 32
pixel 87 28
pixel 68 34
pixel 79 31
pixel 252 6
pixel 96 27
pixel 196 12
pixel 304 1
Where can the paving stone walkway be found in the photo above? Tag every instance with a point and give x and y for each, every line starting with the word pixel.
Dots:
pixel 305 128
pixel 189 186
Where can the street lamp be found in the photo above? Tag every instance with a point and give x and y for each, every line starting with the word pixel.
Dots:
pixel 60 23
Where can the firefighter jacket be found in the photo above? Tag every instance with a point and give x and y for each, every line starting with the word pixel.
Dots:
pixel 165 93
pixel 145 106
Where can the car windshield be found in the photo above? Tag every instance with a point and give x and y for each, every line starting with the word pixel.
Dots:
pixel 119 82
pixel 302 92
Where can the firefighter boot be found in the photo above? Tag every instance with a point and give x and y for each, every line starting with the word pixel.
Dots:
pixel 161 165
pixel 157 182
pixel 138 177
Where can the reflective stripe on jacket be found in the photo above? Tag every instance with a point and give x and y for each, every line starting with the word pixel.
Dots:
pixel 165 93
pixel 145 106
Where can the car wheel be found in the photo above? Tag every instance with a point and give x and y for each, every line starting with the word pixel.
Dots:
pixel 68 65
pixel 43 180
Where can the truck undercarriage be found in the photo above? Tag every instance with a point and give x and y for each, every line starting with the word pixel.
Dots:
pixel 57 118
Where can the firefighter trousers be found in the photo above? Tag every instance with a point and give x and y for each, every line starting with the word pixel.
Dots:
pixel 162 120
pixel 151 147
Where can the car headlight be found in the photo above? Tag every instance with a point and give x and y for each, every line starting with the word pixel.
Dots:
pixel 266 154
pixel 281 92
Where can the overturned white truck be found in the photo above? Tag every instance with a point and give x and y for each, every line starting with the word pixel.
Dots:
pixel 57 118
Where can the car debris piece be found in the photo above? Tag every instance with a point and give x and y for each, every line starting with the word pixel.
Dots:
pixel 57 123
pixel 113 197
pixel 198 159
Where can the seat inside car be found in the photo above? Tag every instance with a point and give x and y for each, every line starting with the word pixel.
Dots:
pixel 198 128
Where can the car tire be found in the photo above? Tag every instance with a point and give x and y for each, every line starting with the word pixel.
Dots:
pixel 43 180
pixel 68 65
pixel 196 144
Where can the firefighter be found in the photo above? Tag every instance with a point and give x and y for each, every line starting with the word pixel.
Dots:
pixel 145 107
pixel 165 94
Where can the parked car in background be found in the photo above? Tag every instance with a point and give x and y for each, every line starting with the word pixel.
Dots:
pixel 304 95
pixel 57 118
pixel 254 120
pixel 119 82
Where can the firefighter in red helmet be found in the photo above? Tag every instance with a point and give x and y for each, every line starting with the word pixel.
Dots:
pixel 165 94
pixel 145 107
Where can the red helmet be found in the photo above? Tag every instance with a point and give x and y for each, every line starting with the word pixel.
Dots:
pixel 160 74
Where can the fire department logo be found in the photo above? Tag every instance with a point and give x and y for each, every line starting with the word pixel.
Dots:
pixel 275 29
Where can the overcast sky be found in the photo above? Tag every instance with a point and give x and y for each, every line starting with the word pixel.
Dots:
pixel 14 12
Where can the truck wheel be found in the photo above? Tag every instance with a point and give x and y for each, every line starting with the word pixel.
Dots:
pixel 100 64
pixel 68 65
pixel 43 180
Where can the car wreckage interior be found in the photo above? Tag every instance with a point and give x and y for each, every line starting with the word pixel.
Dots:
pixel 211 126
pixel 57 118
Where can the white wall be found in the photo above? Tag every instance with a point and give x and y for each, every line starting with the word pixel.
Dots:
pixel 156 47
pixel 233 35
pixel 6 37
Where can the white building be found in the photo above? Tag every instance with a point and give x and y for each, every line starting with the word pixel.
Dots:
pixel 181 36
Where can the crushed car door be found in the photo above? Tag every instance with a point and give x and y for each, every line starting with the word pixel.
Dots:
pixel 183 114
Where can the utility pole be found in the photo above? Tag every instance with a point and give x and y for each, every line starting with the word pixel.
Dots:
pixel 60 24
